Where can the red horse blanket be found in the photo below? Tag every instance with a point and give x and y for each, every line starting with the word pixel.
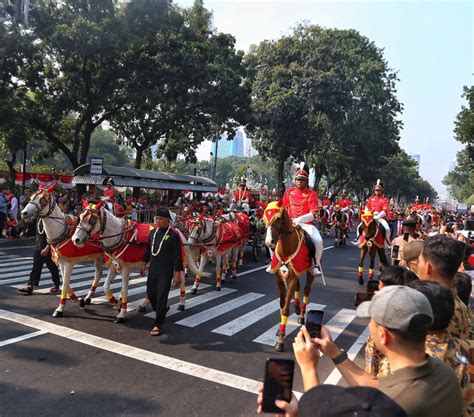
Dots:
pixel 228 236
pixel 299 262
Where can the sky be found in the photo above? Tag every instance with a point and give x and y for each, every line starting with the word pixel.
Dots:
pixel 430 44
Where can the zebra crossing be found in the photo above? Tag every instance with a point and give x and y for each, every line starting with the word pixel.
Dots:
pixel 201 309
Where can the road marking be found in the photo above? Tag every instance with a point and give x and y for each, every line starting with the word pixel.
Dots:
pixel 20 338
pixel 240 274
pixel 22 275
pixel 211 313
pixel 338 323
pixel 74 279
pixel 328 247
pixel 15 247
pixel 240 323
pixel 269 337
pixel 9 258
pixel 208 374
pixel 15 261
pixel 198 300
pixel 335 376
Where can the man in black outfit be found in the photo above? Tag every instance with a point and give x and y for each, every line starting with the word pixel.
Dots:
pixel 166 262
pixel 41 256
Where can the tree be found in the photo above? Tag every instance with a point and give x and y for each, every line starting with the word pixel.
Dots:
pixel 461 180
pixel 325 95
pixel 187 83
pixel 75 74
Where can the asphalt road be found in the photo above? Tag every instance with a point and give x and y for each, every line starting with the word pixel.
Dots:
pixel 208 363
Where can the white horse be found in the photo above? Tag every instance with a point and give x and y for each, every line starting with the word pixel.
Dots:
pixel 220 239
pixel 125 244
pixel 59 228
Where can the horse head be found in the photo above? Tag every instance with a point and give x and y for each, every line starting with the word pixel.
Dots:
pixel 41 204
pixel 199 230
pixel 369 224
pixel 275 218
pixel 90 222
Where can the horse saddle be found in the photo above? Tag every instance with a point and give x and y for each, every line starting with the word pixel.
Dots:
pixel 309 243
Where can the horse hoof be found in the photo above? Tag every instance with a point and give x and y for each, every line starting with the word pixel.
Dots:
pixel 361 281
pixel 279 347
pixel 301 320
pixel 119 320
pixel 181 307
pixel 194 291
pixel 82 302
pixel 57 313
pixel 297 310
pixel 141 309
pixel 234 276
pixel 88 301
pixel 218 288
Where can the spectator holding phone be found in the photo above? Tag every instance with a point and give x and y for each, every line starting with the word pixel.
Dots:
pixel 400 320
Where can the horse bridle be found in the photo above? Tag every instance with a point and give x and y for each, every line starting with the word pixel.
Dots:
pixel 43 202
pixel 94 217
pixel 201 222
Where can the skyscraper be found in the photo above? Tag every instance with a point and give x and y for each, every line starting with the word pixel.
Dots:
pixel 234 147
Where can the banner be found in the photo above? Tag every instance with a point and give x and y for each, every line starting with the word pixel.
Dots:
pixel 64 181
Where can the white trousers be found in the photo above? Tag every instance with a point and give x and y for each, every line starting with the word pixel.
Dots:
pixel 317 240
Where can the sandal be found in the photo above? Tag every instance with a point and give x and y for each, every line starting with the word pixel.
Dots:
pixel 54 289
pixel 156 331
pixel 27 290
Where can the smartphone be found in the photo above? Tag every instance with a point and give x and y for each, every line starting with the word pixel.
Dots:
pixel 314 322
pixel 372 285
pixel 395 251
pixel 278 383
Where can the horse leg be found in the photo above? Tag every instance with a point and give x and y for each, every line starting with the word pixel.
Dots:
pixel 218 271
pixel 335 236
pixel 360 269
pixel 235 257
pixel 108 281
pixel 66 271
pixel 296 299
pixel 285 311
pixel 241 250
pixel 95 283
pixel 125 270
pixel 307 290
pixel 182 295
pixel 197 280
pixel 383 260
pixel 372 261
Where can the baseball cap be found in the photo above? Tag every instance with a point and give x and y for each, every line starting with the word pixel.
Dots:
pixel 335 401
pixel 398 307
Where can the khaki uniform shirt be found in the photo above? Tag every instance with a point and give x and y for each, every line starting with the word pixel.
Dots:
pixel 429 389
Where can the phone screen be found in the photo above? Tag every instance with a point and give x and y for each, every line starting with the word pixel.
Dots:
pixel 395 251
pixel 314 322
pixel 278 383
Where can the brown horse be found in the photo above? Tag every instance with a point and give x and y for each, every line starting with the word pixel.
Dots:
pixel 291 259
pixel 340 222
pixel 372 241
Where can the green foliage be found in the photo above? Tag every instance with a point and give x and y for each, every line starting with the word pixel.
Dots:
pixel 460 181
pixel 104 143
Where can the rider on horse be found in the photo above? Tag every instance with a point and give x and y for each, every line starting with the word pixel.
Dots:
pixel 378 205
pixel 416 206
pixel 345 204
pixel 301 202
pixel 241 196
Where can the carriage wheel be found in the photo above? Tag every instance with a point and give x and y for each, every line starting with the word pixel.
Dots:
pixel 256 247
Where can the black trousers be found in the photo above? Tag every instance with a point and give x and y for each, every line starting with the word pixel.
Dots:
pixel 3 221
pixel 157 289
pixel 38 262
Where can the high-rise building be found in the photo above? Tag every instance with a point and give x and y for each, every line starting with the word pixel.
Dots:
pixel 417 159
pixel 249 150
pixel 234 147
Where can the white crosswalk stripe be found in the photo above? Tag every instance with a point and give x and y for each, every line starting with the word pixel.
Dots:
pixel 46 276
pixel 206 315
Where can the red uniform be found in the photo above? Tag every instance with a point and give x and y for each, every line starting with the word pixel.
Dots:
pixel 110 192
pixel 240 195
pixel 343 202
pixel 416 207
pixel 376 204
pixel 299 202
pixel 326 202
